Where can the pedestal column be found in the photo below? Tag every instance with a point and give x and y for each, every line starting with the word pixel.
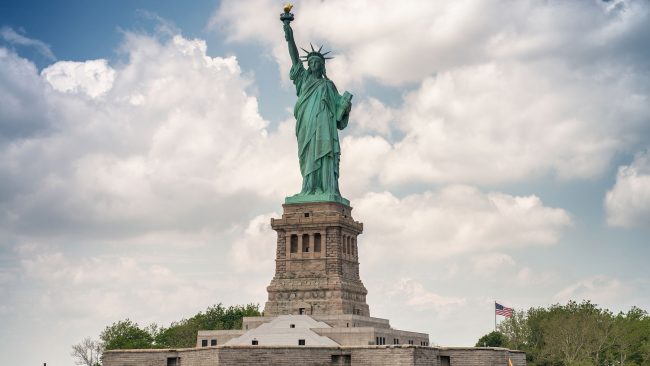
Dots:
pixel 325 279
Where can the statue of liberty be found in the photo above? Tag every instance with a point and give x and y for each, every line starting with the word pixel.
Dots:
pixel 319 112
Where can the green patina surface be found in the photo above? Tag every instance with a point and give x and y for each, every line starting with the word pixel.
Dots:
pixel 319 111
pixel 322 197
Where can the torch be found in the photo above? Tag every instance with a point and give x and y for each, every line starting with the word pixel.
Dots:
pixel 287 17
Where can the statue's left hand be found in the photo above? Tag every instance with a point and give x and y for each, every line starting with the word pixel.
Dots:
pixel 346 102
pixel 348 107
pixel 343 109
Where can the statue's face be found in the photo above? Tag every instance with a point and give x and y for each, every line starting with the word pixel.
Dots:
pixel 316 65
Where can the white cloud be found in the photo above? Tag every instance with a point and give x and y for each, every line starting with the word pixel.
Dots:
pixel 505 123
pixel 107 288
pixel 10 35
pixel 255 251
pixel 503 269
pixel 160 158
pixel 455 220
pixel 495 124
pixel 415 295
pixel 486 264
pixel 397 43
pixel 23 109
pixel 165 142
pixel 528 277
pixel 373 117
pixel 601 290
pixel 503 96
pixel 165 158
pixel 628 202
pixel 360 163
pixel 93 78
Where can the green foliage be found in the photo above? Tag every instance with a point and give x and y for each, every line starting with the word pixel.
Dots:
pixel 516 330
pixel 576 333
pixel 183 333
pixel 492 339
pixel 125 334
pixel 579 334
pixel 128 335
pixel 632 331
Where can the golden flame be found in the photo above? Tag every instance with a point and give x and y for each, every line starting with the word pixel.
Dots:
pixel 287 7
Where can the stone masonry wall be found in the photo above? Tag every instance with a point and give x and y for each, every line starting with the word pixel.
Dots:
pixel 256 356
pixel 281 253
pixel 383 356
pixel 316 356
pixel 518 358
pixel 322 282
pixel 188 357
pixel 333 242
pixel 471 356
pixel 425 357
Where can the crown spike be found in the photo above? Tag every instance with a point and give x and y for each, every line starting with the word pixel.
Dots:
pixel 314 53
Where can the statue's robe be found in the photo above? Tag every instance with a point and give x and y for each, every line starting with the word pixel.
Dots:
pixel 316 111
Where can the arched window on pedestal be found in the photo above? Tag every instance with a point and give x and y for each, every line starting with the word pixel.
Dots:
pixel 317 244
pixel 305 243
pixel 294 243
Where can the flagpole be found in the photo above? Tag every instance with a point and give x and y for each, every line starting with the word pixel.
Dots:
pixel 495 316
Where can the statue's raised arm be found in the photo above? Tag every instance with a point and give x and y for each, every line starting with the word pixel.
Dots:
pixel 286 18
pixel 320 111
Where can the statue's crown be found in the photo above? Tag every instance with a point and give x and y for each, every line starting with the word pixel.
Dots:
pixel 314 53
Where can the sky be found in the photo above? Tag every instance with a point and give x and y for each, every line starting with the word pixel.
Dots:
pixel 497 150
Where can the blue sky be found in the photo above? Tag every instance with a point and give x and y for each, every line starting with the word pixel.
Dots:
pixel 496 151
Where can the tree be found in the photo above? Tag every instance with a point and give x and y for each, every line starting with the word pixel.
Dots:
pixel 572 333
pixel 183 333
pixel 578 334
pixel 492 339
pixel 516 330
pixel 126 334
pixel 603 334
pixel 631 334
pixel 644 352
pixel 87 353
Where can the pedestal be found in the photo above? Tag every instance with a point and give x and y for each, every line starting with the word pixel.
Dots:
pixel 317 263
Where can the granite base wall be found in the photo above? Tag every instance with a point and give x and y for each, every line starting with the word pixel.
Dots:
pixel 403 355
pixel 395 356
pixel 518 358
pixel 188 357
pixel 479 356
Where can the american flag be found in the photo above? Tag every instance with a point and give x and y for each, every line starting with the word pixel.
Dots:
pixel 502 310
